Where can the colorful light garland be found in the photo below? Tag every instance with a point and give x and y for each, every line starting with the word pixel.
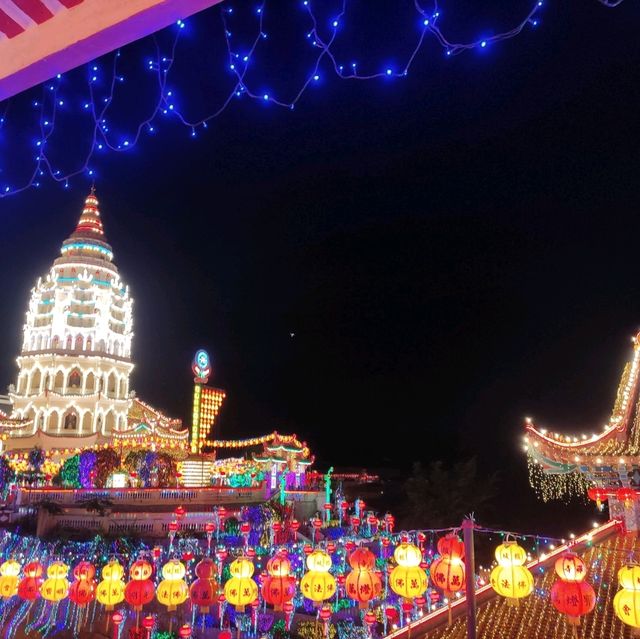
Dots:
pixel 323 34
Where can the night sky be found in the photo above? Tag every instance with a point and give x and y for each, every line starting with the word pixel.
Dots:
pixel 452 252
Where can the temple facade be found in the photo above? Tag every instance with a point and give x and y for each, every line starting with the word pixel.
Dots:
pixel 73 383
pixel 604 465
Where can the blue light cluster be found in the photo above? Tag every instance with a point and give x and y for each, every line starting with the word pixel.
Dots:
pixel 322 39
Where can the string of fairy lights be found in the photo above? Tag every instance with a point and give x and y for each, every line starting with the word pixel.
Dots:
pixel 105 76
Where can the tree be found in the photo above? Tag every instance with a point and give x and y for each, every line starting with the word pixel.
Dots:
pixel 438 495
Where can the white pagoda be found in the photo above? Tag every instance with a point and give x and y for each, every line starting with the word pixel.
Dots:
pixel 73 388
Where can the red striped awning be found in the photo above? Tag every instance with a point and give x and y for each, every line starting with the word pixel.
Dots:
pixel 41 38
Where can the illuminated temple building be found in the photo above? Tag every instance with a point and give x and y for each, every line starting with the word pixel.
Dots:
pixel 73 384
pixel 605 465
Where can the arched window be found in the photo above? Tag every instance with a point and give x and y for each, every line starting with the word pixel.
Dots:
pixel 69 342
pixel 54 422
pixel 58 382
pixel 109 423
pixel 36 380
pixel 75 379
pixel 111 385
pixel 55 342
pixel 116 348
pixel 89 343
pixel 101 346
pixel 79 342
pixel 90 383
pixel 39 343
pixel 87 422
pixel 70 421
pixel 122 392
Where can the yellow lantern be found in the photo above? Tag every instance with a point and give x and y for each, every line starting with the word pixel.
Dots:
pixel 510 578
pixel 172 590
pixel 111 589
pixel 319 561
pixel 241 589
pixel 9 572
pixel 626 603
pixel 318 584
pixel 408 581
pixel 56 586
pixel 407 554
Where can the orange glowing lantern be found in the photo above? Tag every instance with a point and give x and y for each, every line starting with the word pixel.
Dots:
pixel 451 545
pixel 362 583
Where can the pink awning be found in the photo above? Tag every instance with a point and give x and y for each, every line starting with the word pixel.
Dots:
pixel 41 38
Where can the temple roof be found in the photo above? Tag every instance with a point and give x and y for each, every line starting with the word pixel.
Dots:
pixel 619 438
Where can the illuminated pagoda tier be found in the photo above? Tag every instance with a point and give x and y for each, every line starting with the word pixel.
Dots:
pixel 562 465
pixel 73 385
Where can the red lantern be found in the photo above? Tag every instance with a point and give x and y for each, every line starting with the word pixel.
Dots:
pixel 325 613
pixel 82 592
pixel 599 495
pixel 331 547
pixel 180 512
pixel 84 570
pixel 221 554
pixel 140 590
pixel 209 528
pixel 222 512
pixel 187 556
pixel 626 495
pixel 307 549
pixel 185 631
pixel 147 622
pixel 316 523
pixel 294 525
pixel 117 618
pixel 276 591
pixel 355 522
pixel 362 559
pixel 29 586
pixel 173 526
pixel 391 613
pixel 451 545
pixel 370 618
pixel 245 527
pixel 277 527
pixel 573 598
pixel 204 591
pixel 139 593
pixel 350 546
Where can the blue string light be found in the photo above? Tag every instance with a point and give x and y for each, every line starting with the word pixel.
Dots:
pixel 322 39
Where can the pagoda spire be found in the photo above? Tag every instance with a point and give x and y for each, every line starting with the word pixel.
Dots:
pixel 90 224
pixel 88 237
